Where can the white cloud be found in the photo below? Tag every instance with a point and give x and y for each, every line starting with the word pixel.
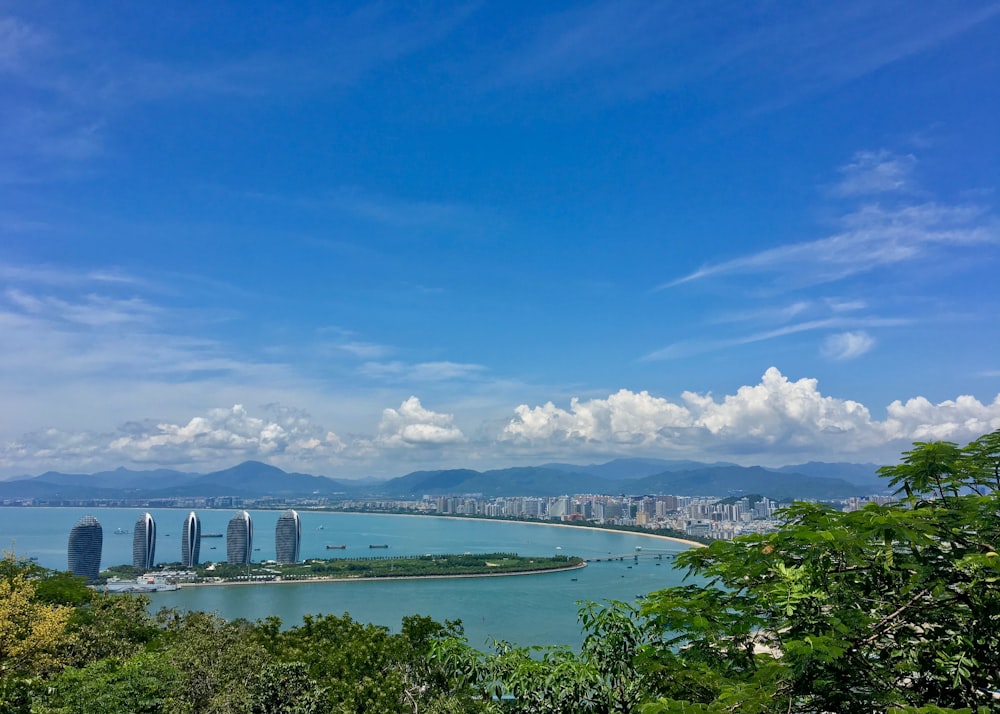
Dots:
pixel 953 420
pixel 91 310
pixel 413 425
pixel 420 372
pixel 777 420
pixel 690 348
pixel 228 433
pixel 774 418
pixel 18 42
pixel 847 345
pixel 220 437
pixel 364 350
pixel 874 172
pixel 873 237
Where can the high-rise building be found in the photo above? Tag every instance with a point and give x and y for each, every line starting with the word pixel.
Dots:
pixel 287 538
pixel 84 548
pixel 191 540
pixel 144 543
pixel 239 539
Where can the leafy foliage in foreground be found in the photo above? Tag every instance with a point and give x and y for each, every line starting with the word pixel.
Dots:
pixel 889 608
pixel 893 608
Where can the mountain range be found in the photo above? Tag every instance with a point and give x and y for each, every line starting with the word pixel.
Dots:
pixel 253 479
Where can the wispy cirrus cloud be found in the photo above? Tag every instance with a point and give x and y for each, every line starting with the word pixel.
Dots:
pixel 875 172
pixel 633 49
pixel 19 43
pixel 67 92
pixel 398 371
pixel 691 348
pixel 873 237
pixel 892 227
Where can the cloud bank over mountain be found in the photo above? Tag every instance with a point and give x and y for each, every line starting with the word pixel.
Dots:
pixel 776 421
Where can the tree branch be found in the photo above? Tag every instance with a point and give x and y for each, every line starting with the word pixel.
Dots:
pixel 892 616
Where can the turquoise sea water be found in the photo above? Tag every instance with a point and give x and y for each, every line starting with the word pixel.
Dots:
pixel 527 610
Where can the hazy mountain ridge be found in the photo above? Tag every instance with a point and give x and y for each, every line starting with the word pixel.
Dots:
pixel 254 479
pixel 634 468
pixel 855 473
pixel 724 480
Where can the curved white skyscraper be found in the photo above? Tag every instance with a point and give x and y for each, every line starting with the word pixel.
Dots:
pixel 239 539
pixel 191 540
pixel 287 538
pixel 144 543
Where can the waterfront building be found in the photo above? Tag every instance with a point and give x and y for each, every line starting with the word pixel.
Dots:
pixel 239 539
pixel 191 540
pixel 288 538
pixel 84 548
pixel 144 543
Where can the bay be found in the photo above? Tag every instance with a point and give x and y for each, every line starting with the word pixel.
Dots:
pixel 526 610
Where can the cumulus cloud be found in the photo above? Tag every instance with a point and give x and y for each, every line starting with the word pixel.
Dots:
pixel 777 420
pixel 847 345
pixel 958 420
pixel 777 416
pixel 220 437
pixel 228 433
pixel 413 425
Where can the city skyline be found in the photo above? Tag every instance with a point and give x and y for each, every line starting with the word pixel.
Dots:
pixel 373 239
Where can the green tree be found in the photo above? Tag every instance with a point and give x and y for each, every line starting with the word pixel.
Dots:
pixel 890 608
pixel 216 661
pixel 603 678
pixel 144 684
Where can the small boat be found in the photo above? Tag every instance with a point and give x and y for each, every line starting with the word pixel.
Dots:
pixel 572 580
pixel 121 531
pixel 256 549
pixel 211 535
pixel 336 547
pixel 378 546
pixel 212 548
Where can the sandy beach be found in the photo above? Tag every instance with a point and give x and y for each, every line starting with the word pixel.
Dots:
pixel 548 524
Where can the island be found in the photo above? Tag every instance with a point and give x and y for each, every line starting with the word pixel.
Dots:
pixel 319 569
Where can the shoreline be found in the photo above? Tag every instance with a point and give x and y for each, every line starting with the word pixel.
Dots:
pixel 332 579
pixel 672 539
pixel 657 536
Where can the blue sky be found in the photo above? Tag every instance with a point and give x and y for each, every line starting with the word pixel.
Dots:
pixel 361 239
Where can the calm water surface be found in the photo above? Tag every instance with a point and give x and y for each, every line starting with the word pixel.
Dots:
pixel 527 610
